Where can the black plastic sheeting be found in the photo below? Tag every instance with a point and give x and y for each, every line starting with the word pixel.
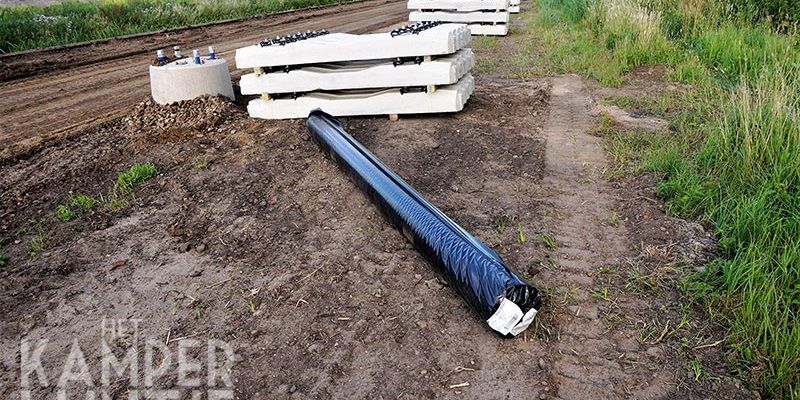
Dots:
pixel 506 301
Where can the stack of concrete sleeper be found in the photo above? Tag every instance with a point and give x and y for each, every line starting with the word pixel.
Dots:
pixel 418 68
pixel 484 17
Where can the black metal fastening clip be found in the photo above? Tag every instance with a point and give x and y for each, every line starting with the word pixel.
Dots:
pixel 284 40
pixel 415 28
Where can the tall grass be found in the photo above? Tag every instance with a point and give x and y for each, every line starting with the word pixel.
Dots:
pixel 781 12
pixel 736 162
pixel 29 27
pixel 746 180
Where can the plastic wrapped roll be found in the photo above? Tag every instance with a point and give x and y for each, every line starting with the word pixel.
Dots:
pixel 501 297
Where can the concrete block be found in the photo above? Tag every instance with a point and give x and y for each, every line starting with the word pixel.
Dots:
pixel 184 80
pixel 338 47
pixel 513 9
pixel 458 5
pixel 449 98
pixel 500 17
pixel 489 30
pixel 444 70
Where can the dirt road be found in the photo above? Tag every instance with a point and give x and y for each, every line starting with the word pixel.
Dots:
pixel 63 98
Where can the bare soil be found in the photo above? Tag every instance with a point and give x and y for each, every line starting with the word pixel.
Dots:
pixel 250 235
pixel 265 219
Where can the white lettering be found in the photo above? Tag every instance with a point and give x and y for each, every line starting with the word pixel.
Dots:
pixel 32 362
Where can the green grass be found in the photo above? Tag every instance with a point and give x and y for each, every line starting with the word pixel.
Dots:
pixel 77 204
pixel 134 176
pixel 522 237
pixel 784 13
pixel 746 179
pixel 486 42
pixel 65 213
pixel 116 204
pixel 504 221
pixel 29 27
pixel 125 183
pixel 83 202
pixel 664 105
pixel 733 159
pixel 38 243
pixel 549 241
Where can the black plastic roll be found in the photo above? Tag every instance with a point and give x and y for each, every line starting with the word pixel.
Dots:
pixel 501 297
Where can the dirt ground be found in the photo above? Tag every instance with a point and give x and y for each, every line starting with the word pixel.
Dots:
pixel 251 236
pixel 51 95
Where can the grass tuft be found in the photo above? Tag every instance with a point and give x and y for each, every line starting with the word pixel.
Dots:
pixel 83 202
pixel 65 213
pixel 134 176
pixel 549 241
pixel 38 243
pixel 522 237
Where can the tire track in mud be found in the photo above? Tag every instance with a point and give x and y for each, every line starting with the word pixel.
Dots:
pixel 56 105
pixel 590 358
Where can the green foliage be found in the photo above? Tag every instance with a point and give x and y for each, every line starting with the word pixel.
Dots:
pixel 735 52
pixel 734 160
pixel 115 204
pixel 522 237
pixel 504 221
pixel 747 180
pixel 3 261
pixel 83 202
pixel 38 243
pixel 137 174
pixel 28 27
pixel 65 213
pixel 573 10
pixel 600 41
pixel 549 241
pixel 782 12
pixel 486 42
